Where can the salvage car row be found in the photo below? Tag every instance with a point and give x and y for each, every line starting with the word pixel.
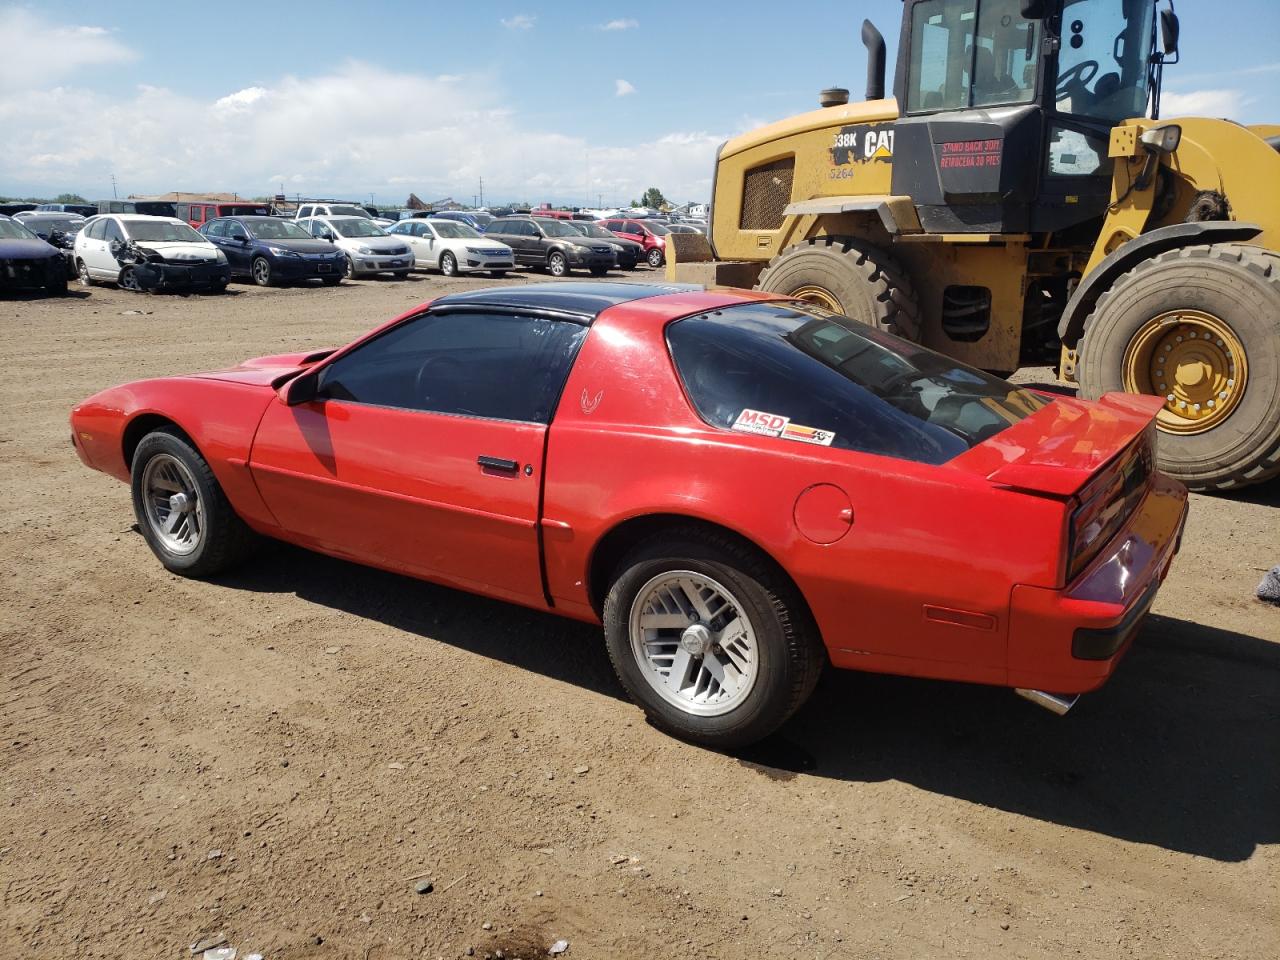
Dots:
pixel 143 252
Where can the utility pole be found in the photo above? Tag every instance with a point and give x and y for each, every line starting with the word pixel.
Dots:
pixel 481 192
pixel 113 187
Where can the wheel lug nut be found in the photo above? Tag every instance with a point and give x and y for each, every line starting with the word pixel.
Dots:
pixel 1164 386
pixel 1222 395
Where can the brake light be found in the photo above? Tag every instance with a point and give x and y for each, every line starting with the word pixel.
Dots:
pixel 1103 506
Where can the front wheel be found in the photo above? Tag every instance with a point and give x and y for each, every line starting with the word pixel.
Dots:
pixel 82 273
pixel 261 272
pixel 181 510
pixel 129 280
pixel 497 274
pixel 557 265
pixel 710 639
pixel 400 274
pixel 655 258
pixel 1200 327
pixel 448 264
pixel 350 271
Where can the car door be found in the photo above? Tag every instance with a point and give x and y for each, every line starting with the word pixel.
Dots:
pixel 422 449
pixel 100 260
pixel 238 248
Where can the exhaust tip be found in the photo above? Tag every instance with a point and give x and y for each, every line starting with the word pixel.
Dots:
pixel 1054 702
pixel 833 97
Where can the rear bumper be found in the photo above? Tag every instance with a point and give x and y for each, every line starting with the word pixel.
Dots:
pixel 1070 640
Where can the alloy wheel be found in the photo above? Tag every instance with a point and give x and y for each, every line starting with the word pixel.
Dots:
pixel 172 502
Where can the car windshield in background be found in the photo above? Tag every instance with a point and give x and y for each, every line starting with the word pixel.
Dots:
pixel 555 228
pixel 483 219
pixel 159 231
pixel 13 230
pixel 656 228
pixel 269 228
pixel 245 210
pixel 591 230
pixel 454 230
pixel 348 210
pixel 357 228
pixel 69 225
pixel 796 372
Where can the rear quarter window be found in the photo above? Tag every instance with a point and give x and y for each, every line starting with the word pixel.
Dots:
pixel 798 373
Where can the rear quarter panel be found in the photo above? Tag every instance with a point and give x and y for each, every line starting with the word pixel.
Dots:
pixel 626 443
pixel 220 417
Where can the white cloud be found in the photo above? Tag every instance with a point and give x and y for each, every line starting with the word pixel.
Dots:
pixel 1203 103
pixel 253 139
pixel 521 21
pixel 620 25
pixel 622 88
pixel 39 51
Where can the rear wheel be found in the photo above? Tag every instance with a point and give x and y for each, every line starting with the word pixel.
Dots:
pixel 182 512
pixel 82 273
pixel 1199 326
pixel 557 265
pixel 448 264
pixel 261 272
pixel 350 270
pixel 710 639
pixel 849 277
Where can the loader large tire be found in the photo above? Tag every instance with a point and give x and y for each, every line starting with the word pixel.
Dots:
pixel 1214 310
pixel 850 277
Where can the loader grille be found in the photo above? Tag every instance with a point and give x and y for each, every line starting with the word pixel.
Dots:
pixel 766 190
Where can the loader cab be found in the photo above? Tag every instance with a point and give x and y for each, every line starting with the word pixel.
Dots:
pixel 1006 108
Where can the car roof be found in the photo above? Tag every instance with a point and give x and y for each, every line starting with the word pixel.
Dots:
pixel 584 300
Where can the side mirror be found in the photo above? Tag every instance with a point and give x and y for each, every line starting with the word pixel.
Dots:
pixel 301 389
pixel 1169 30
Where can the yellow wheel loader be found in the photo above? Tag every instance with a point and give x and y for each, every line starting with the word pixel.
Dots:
pixel 1014 205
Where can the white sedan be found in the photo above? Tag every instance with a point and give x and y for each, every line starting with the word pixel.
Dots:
pixel 148 253
pixel 453 247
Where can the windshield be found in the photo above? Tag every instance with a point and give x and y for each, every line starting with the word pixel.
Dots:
pixel 13 230
pixel 159 231
pixel 795 372
pixel 555 228
pixel 70 225
pixel 483 219
pixel 593 230
pixel 276 230
pixel 656 228
pixel 357 228
pixel 454 230
pixel 1103 61
pixel 242 210
pixel 348 210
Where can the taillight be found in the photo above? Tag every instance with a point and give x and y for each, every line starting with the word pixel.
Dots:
pixel 1103 506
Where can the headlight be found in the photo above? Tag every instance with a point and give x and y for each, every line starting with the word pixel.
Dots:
pixel 281 252
pixel 367 251
pixel 220 257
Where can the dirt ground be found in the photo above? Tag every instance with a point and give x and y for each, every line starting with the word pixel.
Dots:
pixel 281 756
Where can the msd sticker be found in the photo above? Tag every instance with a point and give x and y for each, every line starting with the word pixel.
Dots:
pixel 757 421
pixel 793 431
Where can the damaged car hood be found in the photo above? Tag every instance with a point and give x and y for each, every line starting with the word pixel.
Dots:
pixel 179 250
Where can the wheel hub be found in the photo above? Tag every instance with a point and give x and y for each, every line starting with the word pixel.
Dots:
pixel 1195 361
pixel 818 296
pixel 181 503
pixel 696 640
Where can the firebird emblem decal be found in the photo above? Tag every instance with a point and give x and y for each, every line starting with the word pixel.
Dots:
pixel 588 403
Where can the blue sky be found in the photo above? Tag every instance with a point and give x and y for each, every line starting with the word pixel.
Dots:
pixel 567 102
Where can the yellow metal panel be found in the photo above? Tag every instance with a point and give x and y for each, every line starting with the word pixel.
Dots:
pixel 868 111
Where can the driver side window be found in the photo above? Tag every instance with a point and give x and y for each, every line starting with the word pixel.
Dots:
pixel 496 366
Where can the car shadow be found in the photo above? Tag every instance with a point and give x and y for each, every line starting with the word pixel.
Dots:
pixel 1177 751
pixel 20 295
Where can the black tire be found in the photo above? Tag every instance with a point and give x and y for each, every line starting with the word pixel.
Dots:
pixel 331 281
pixel 866 283
pixel 350 271
pixel 129 281
pixel 791 655
pixel 400 274
pixel 629 267
pixel 82 273
pixel 655 258
pixel 448 264
pixel 599 271
pixel 1236 283
pixel 57 287
pixel 557 264
pixel 497 274
pixel 260 270
pixel 225 540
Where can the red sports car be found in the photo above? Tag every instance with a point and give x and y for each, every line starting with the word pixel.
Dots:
pixel 740 487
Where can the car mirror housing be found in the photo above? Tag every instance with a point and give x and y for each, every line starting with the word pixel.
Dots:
pixel 301 389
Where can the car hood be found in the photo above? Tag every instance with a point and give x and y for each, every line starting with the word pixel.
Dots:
pixel 301 246
pixel 23 249
pixel 264 371
pixel 374 243
pixel 169 249
pixel 1058 448
pixel 617 242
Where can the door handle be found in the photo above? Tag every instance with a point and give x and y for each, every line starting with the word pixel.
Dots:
pixel 497 463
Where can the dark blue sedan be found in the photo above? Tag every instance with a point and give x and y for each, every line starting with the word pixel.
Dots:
pixel 270 250
pixel 27 261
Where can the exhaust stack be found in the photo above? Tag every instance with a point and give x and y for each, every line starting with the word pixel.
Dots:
pixel 1053 702
pixel 873 40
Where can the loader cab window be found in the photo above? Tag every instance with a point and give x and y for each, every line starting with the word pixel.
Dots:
pixel 971 54
pixel 1103 62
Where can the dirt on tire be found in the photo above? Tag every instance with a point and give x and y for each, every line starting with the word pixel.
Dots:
pixel 279 756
